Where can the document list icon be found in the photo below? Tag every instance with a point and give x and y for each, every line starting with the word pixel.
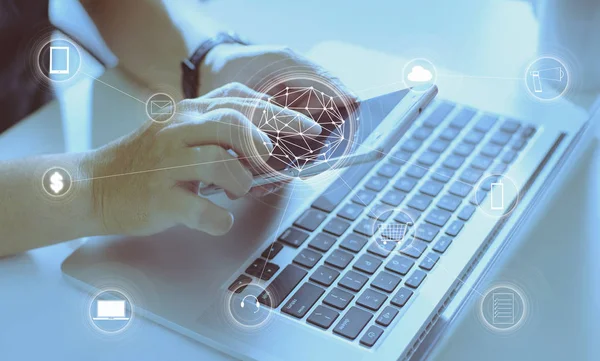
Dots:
pixel 503 304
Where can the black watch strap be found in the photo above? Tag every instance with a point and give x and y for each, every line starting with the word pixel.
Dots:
pixel 190 76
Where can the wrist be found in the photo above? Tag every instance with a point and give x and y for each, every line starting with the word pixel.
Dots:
pixel 91 192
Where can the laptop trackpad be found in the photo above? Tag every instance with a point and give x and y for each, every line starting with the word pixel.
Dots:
pixel 180 269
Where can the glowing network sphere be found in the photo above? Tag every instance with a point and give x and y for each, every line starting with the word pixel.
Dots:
pixel 297 147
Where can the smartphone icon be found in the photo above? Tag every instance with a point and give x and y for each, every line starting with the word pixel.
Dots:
pixel 59 60
pixel 497 194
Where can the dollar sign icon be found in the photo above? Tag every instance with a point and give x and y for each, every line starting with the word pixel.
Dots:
pixel 56 181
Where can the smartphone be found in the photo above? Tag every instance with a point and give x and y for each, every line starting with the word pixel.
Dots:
pixel 377 126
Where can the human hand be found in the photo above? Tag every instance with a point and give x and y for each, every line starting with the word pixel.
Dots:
pixel 148 181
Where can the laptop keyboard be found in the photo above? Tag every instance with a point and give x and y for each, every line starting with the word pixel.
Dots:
pixel 342 279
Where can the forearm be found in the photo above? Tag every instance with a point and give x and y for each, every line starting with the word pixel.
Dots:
pixel 29 218
pixel 151 37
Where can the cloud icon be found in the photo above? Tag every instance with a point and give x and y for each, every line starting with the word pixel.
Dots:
pixel 419 74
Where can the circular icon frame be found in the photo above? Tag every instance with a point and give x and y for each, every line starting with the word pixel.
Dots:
pixel 503 303
pixel 533 78
pixel 128 311
pixel 159 105
pixel 416 65
pixel 45 185
pixel 59 45
pixel 239 303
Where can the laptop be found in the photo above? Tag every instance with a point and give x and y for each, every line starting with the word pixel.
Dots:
pixel 312 273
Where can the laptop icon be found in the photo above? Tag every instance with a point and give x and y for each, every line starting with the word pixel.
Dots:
pixel 109 310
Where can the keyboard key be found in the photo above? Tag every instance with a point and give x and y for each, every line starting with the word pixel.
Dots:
pixel 519 143
pixel 454 228
pixel 387 316
pixel 307 258
pixel 431 188
pixel 411 145
pixel 499 168
pixel 413 248
pixel 426 232
pixel 310 219
pixel 282 286
pixel 420 202
pixel 353 281
pixel 351 211
pixel 439 217
pixel 376 183
pixel 381 249
pixel 381 212
pixel 353 242
pixel 367 264
pixel 386 281
pixel 336 226
pixel 509 156
pixel 400 265
pixel 364 197
pixel 485 123
pixel 510 126
pixel 462 118
pixel 352 323
pixel 338 298
pixel 399 157
pixel 322 242
pixel 339 259
pixel 438 115
pixel 486 185
pixel 401 297
pixel 460 189
pixel 324 276
pixel 405 184
pixel 272 250
pixel 449 203
pixel 471 175
pixel 293 237
pixel 528 131
pixel 439 146
pixel 464 149
pixel 393 197
pixel 429 261
pixel 388 170
pixel 491 150
pixel 416 171
pixel 473 137
pixel 240 283
pixel 442 244
pixel 449 134
pixel 478 197
pixel 415 279
pixel 442 174
pixel 256 267
pixel 367 227
pixel 339 189
pixel 303 300
pixel 322 317
pixel 428 158
pixel 371 299
pixel 453 161
pixel 466 212
pixel 481 162
pixel 407 216
pixel 500 138
pixel 422 133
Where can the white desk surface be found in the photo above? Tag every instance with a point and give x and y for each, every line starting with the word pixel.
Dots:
pixel 44 317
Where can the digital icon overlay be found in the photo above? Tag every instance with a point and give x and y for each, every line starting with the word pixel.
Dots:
pixel 547 78
pixel 419 74
pixel 57 182
pixel 391 228
pixel 161 107
pixel 498 195
pixel 59 60
pixel 111 311
pixel 247 306
pixel 503 308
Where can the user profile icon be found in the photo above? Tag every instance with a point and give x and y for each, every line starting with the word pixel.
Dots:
pixel 161 107
pixel 547 78
pixel 111 311
pixel 59 60
pixel 57 182
pixel 419 74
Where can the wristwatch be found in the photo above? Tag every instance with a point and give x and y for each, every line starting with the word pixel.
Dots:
pixel 190 68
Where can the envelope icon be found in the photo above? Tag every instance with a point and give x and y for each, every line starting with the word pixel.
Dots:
pixel 161 107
